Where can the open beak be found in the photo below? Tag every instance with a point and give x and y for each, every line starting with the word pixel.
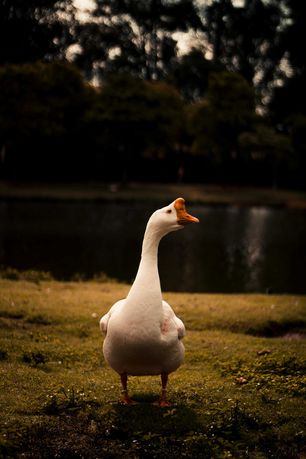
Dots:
pixel 183 218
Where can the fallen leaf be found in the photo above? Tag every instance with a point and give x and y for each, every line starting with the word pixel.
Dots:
pixel 264 352
pixel 241 380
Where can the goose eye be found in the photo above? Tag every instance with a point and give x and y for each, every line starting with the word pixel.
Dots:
pixel 169 211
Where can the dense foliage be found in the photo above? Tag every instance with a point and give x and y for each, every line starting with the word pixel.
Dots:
pixel 231 109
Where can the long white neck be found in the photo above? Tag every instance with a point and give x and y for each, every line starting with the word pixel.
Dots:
pixel 145 296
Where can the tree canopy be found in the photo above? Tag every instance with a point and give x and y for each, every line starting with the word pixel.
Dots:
pixel 216 122
pixel 134 36
pixel 125 93
pixel 246 38
pixel 40 116
pixel 35 30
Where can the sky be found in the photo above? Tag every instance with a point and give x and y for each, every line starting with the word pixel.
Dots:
pixel 183 39
pixel 82 5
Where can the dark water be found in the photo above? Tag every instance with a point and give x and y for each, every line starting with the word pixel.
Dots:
pixel 231 250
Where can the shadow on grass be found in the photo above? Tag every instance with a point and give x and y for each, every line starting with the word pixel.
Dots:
pixel 86 429
pixel 140 431
pixel 275 329
pixel 145 419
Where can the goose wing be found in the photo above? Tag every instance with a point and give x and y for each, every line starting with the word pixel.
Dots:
pixel 171 318
pixel 105 319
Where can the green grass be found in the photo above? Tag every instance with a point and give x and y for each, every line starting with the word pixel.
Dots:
pixel 239 394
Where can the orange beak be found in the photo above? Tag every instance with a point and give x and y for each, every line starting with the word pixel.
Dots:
pixel 183 218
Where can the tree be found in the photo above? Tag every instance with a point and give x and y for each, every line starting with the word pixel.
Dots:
pixel 134 119
pixel 263 145
pixel 289 98
pixel 190 74
pixel 216 122
pixel 40 118
pixel 217 16
pixel 134 36
pixel 245 38
pixel 298 139
pixel 293 34
pixel 288 103
pixel 35 30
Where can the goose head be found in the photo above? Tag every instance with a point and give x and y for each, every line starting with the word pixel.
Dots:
pixel 171 218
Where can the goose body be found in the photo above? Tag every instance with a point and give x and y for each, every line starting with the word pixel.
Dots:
pixel 143 334
pixel 143 346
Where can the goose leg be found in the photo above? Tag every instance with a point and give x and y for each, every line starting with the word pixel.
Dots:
pixel 163 399
pixel 126 400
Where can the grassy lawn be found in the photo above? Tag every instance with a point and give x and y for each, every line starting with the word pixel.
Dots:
pixel 240 393
pixel 160 193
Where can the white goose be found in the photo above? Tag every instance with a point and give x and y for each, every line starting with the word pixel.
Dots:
pixel 143 335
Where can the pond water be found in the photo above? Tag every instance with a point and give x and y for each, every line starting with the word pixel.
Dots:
pixel 233 249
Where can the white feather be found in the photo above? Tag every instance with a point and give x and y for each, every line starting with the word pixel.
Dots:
pixel 143 334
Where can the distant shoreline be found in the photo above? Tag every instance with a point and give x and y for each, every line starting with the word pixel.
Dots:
pixel 153 192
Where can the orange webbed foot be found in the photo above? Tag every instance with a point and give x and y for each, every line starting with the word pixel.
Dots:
pixel 126 400
pixel 164 403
